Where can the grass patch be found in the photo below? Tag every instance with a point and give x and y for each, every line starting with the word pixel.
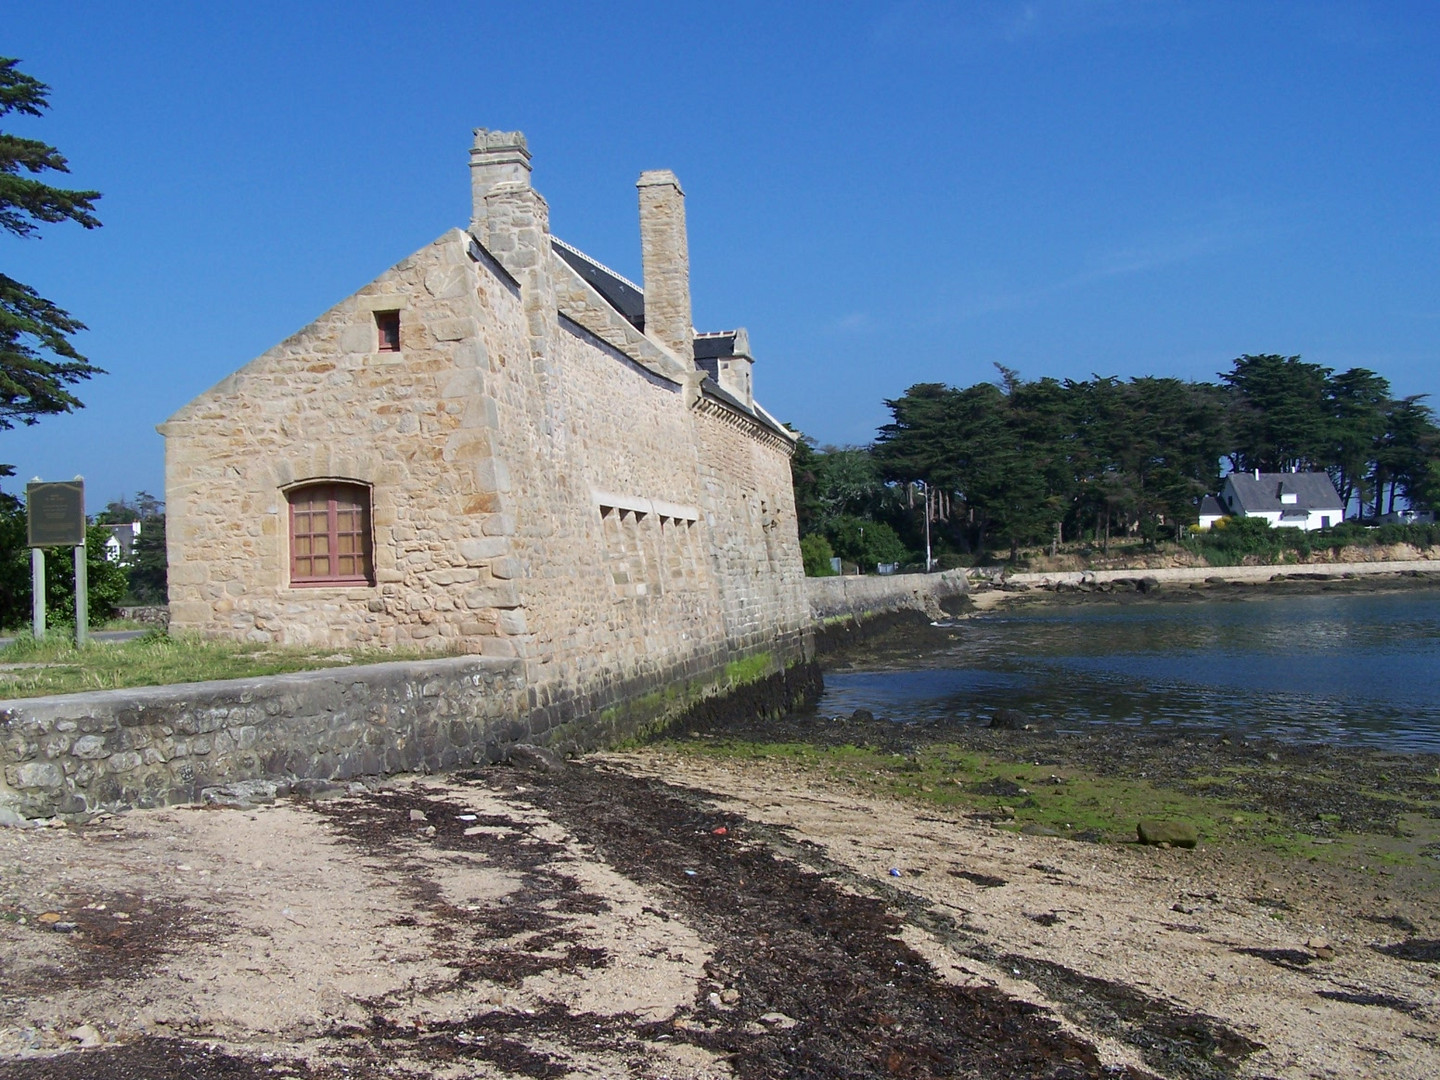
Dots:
pixel 30 668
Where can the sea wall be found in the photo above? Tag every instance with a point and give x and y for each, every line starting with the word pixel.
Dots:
pixel 150 746
pixel 860 597
pixel 164 744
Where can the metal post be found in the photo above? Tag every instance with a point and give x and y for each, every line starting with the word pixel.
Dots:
pixel 82 597
pixel 929 563
pixel 37 592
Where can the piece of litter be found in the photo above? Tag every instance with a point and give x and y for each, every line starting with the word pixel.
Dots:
pixel 894 871
pixel 691 873
pixel 720 831
pixel 466 817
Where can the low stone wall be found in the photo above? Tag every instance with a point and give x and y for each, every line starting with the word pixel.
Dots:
pixel 154 745
pixel 1251 574
pixel 149 746
pixel 861 597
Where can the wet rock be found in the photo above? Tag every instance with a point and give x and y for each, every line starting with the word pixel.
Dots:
pixel 535 758
pixel 10 817
pixel 1174 833
pixel 1008 720
pixel 862 716
pixel 241 795
pixel 317 789
pixel 86 1035
pixel 729 995
pixel 1148 585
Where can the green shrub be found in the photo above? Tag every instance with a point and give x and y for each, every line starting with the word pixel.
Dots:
pixel 866 542
pixel 106 580
pixel 816 553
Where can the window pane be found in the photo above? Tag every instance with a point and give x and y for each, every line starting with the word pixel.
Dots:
pixel 330 534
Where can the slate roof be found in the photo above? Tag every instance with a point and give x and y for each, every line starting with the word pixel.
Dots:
pixel 1210 507
pixel 715 346
pixel 622 294
pixel 1312 491
pixel 629 300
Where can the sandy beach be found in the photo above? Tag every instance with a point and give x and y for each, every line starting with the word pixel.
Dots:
pixel 672 914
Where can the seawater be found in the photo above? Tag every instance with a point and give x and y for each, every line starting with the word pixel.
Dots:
pixel 1340 668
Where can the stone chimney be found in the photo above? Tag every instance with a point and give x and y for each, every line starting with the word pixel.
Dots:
pixel 498 157
pixel 665 254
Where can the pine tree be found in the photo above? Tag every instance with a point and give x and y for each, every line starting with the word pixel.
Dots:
pixel 37 359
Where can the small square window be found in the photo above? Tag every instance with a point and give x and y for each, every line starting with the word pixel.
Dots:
pixel 387 328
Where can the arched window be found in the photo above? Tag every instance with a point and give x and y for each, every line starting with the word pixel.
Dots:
pixel 330 535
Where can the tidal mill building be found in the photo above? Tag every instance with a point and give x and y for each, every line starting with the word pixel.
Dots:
pixel 501 447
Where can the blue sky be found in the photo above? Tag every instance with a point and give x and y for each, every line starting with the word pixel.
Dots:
pixel 883 194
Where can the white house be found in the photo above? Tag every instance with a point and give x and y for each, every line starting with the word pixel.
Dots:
pixel 1298 500
pixel 1210 511
pixel 121 542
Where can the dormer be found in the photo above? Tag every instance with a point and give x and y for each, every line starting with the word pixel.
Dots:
pixel 725 357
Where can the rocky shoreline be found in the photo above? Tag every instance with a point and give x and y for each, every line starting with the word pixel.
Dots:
pixel 1140 585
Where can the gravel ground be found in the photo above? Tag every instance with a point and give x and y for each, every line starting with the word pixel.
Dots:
pixel 662 915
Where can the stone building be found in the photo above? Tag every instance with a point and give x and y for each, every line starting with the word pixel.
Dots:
pixel 500 446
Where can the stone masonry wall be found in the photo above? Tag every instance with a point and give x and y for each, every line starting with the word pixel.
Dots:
pixel 858 597
pixel 615 587
pixel 417 427
pixel 749 505
pixel 157 745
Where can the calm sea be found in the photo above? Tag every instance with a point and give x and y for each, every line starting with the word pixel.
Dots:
pixel 1338 668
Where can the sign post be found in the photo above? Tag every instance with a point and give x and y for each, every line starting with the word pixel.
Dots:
pixel 37 591
pixel 55 517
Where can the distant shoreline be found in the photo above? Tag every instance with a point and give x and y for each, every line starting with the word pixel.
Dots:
pixel 1200 583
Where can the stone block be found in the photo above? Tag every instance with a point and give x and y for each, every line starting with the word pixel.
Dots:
pixel 512 622
pixel 502 595
pixel 478 551
pixel 446 282
pixel 506 569
pixel 491 474
pixel 499 525
pixel 124 762
pixel 41 774
pixel 452 330
pixel 358 337
pixel 90 747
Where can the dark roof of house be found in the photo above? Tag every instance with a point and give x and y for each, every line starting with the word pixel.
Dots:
pixel 622 294
pixel 1210 507
pixel 629 300
pixel 715 346
pixel 1312 491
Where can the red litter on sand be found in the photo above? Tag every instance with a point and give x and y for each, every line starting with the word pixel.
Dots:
pixel 719 830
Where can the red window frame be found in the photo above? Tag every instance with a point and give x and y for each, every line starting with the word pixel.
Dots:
pixel 330 535
pixel 387 331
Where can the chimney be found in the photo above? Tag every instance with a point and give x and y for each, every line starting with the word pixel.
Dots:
pixel 665 254
pixel 498 157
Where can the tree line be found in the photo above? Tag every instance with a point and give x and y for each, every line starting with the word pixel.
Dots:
pixel 1018 462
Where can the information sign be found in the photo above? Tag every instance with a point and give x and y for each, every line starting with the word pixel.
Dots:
pixel 56 513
